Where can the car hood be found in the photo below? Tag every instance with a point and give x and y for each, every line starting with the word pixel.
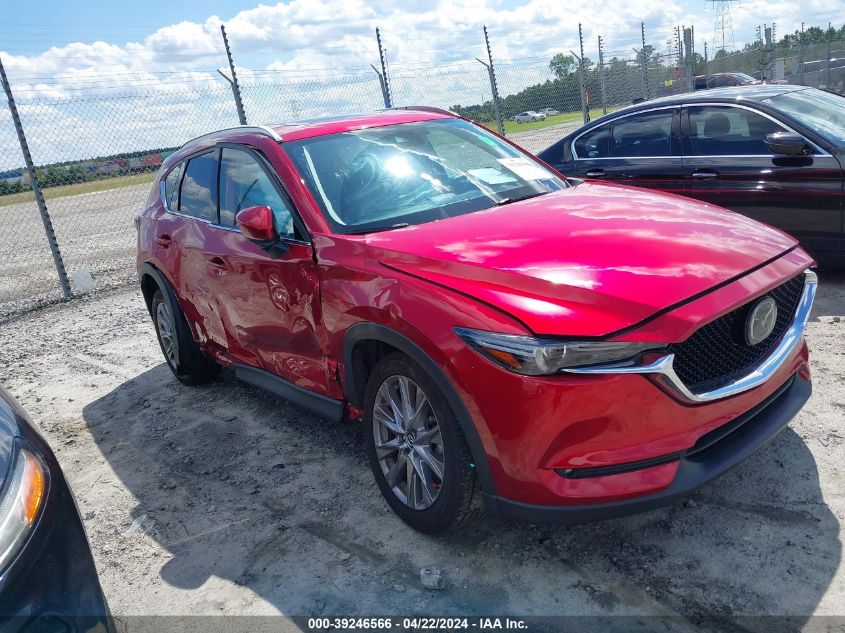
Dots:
pixel 585 261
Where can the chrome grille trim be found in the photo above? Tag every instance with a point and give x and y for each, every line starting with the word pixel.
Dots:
pixel 662 369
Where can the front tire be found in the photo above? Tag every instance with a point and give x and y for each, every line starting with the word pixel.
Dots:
pixel 419 457
pixel 181 352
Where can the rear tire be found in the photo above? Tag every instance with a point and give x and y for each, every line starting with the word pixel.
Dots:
pixel 419 456
pixel 181 352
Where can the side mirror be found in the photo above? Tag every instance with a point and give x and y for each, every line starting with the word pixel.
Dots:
pixel 787 143
pixel 256 224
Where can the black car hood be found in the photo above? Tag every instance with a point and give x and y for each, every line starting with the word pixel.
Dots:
pixel 11 419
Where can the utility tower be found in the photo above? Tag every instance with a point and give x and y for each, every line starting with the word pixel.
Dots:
pixel 723 30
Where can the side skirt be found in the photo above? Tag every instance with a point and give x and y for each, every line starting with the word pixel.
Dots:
pixel 321 405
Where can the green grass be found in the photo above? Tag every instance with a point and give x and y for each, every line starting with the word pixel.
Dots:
pixel 78 188
pixel 558 119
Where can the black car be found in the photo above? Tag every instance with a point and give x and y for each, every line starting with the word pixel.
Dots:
pixel 774 153
pixel 723 80
pixel 48 581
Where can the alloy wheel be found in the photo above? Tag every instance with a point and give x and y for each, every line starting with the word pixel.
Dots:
pixel 408 442
pixel 164 324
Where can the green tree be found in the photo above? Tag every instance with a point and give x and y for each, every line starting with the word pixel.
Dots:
pixel 562 65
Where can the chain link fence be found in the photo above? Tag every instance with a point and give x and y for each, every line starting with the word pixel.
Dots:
pixel 819 65
pixel 96 153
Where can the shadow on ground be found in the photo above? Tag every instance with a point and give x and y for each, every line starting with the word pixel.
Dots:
pixel 239 485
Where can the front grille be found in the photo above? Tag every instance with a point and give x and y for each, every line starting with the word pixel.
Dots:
pixel 718 353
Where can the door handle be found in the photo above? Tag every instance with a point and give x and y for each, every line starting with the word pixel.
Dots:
pixel 705 174
pixel 164 241
pixel 595 173
pixel 218 265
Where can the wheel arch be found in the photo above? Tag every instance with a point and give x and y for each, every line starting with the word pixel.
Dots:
pixel 355 378
pixel 152 278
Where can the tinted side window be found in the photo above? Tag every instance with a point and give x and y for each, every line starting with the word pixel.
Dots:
pixel 726 131
pixel 594 144
pixel 171 186
pixel 243 183
pixel 198 195
pixel 646 134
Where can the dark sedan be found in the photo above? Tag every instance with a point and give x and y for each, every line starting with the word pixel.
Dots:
pixel 48 581
pixel 774 153
pixel 722 80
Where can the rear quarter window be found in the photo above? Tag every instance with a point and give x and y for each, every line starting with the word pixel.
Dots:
pixel 171 186
pixel 198 194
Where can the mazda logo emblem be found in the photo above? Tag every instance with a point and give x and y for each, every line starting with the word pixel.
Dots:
pixel 761 321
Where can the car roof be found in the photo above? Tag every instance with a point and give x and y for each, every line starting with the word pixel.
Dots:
pixel 298 129
pixel 722 95
pixel 309 128
pixel 730 73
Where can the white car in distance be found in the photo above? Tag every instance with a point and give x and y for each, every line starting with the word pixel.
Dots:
pixel 529 117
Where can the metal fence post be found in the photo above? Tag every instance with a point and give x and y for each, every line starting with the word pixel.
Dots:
pixel 388 98
pixel 801 56
pixel 644 63
pixel 602 77
pixel 585 98
pixel 236 88
pixel 584 112
pixel 829 53
pixel 36 188
pixel 768 53
pixel 689 59
pixel 494 88
pixel 383 86
pixel 692 58
pixel 680 46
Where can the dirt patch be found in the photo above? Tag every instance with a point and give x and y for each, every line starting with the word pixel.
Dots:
pixel 224 500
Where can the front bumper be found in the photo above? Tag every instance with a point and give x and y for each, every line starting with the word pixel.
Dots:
pixel 594 425
pixel 52 585
pixel 713 455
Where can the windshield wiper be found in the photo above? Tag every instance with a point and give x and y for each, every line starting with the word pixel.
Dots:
pixel 527 196
pixel 378 229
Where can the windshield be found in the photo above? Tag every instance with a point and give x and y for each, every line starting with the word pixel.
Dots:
pixel 823 112
pixel 411 173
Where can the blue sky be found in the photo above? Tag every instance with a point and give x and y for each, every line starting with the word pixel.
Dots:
pixel 55 23
pixel 67 59
pixel 47 23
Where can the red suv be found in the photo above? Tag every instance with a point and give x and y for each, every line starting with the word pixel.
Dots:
pixel 557 350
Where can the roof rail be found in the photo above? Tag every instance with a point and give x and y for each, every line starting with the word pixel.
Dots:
pixel 423 108
pixel 259 129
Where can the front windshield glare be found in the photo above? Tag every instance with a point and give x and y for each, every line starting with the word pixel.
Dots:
pixel 820 111
pixel 411 173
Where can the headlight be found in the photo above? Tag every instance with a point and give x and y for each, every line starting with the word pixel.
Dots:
pixel 21 503
pixel 537 357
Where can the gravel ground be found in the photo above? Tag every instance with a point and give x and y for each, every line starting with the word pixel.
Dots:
pixel 223 500
pixel 95 235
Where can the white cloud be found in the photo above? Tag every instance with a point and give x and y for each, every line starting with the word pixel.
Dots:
pixel 310 48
